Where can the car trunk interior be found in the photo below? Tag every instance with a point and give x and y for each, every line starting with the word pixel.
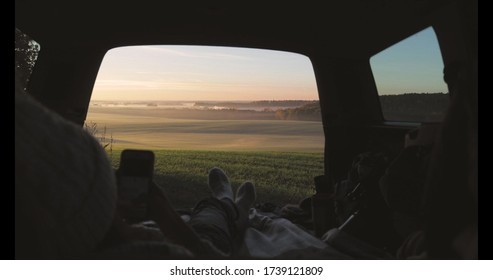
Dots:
pixel 339 37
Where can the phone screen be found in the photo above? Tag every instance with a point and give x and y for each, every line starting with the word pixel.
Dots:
pixel 134 177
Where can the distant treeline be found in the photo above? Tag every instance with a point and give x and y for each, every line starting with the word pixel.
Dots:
pixel 424 107
pixel 420 107
pixel 187 113
pixel 259 103
pixel 307 112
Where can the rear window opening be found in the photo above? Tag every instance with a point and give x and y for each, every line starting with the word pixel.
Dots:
pixel 254 113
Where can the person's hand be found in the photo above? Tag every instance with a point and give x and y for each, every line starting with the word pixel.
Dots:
pixel 122 232
pixel 123 207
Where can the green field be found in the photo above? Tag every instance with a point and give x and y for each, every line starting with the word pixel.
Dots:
pixel 279 177
pixel 279 157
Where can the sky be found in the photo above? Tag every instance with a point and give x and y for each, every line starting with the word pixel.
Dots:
pixel 192 73
pixel 413 65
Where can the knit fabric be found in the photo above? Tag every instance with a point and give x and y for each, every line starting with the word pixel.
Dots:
pixel 65 191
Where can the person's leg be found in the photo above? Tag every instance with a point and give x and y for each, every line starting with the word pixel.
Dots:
pixel 213 218
pixel 214 221
pixel 245 197
pixel 217 219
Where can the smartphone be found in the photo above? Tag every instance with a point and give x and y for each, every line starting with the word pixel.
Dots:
pixel 135 175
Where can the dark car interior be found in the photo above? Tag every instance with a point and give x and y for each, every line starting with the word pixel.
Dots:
pixel 339 38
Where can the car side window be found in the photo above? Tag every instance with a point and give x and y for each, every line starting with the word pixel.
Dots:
pixel 409 79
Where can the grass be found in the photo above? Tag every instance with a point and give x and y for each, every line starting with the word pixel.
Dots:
pixel 279 157
pixel 279 177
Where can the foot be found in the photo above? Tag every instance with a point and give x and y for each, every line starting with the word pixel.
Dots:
pixel 219 184
pixel 245 196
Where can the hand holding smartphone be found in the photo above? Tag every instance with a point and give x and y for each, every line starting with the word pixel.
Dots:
pixel 134 178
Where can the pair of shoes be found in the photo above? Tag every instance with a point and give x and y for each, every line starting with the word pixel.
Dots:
pixel 221 188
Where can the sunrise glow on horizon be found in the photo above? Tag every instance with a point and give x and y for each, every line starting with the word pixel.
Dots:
pixel 204 73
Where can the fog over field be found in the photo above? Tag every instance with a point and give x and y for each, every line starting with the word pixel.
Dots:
pixel 208 126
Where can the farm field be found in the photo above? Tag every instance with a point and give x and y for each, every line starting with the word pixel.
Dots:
pixel 279 177
pixel 157 129
pixel 280 157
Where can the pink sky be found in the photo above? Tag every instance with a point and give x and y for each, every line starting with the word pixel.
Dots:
pixel 203 73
